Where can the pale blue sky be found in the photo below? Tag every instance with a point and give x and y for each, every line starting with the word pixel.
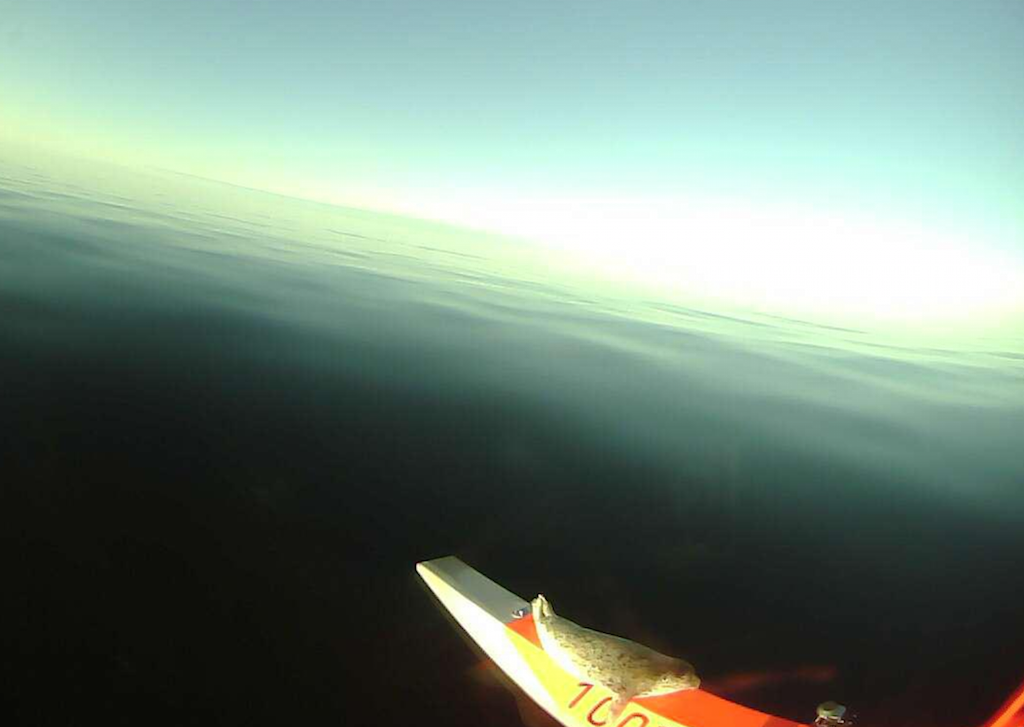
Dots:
pixel 538 116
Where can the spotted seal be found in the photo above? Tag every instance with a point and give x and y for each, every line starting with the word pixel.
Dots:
pixel 625 668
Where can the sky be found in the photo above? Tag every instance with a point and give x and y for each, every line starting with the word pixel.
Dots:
pixel 862 158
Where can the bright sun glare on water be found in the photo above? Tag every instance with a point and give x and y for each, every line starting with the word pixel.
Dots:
pixel 841 266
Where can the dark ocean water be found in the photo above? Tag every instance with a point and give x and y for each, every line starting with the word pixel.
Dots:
pixel 233 422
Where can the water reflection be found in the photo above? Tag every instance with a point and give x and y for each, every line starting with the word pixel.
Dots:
pixel 239 419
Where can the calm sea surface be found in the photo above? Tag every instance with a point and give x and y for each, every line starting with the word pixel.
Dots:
pixel 232 422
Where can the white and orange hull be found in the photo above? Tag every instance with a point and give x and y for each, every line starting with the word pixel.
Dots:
pixel 500 623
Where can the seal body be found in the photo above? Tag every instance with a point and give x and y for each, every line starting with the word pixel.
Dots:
pixel 625 668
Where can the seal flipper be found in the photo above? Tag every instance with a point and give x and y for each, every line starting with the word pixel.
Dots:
pixel 617 706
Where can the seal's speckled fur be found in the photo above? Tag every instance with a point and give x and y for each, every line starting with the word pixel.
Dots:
pixel 625 668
